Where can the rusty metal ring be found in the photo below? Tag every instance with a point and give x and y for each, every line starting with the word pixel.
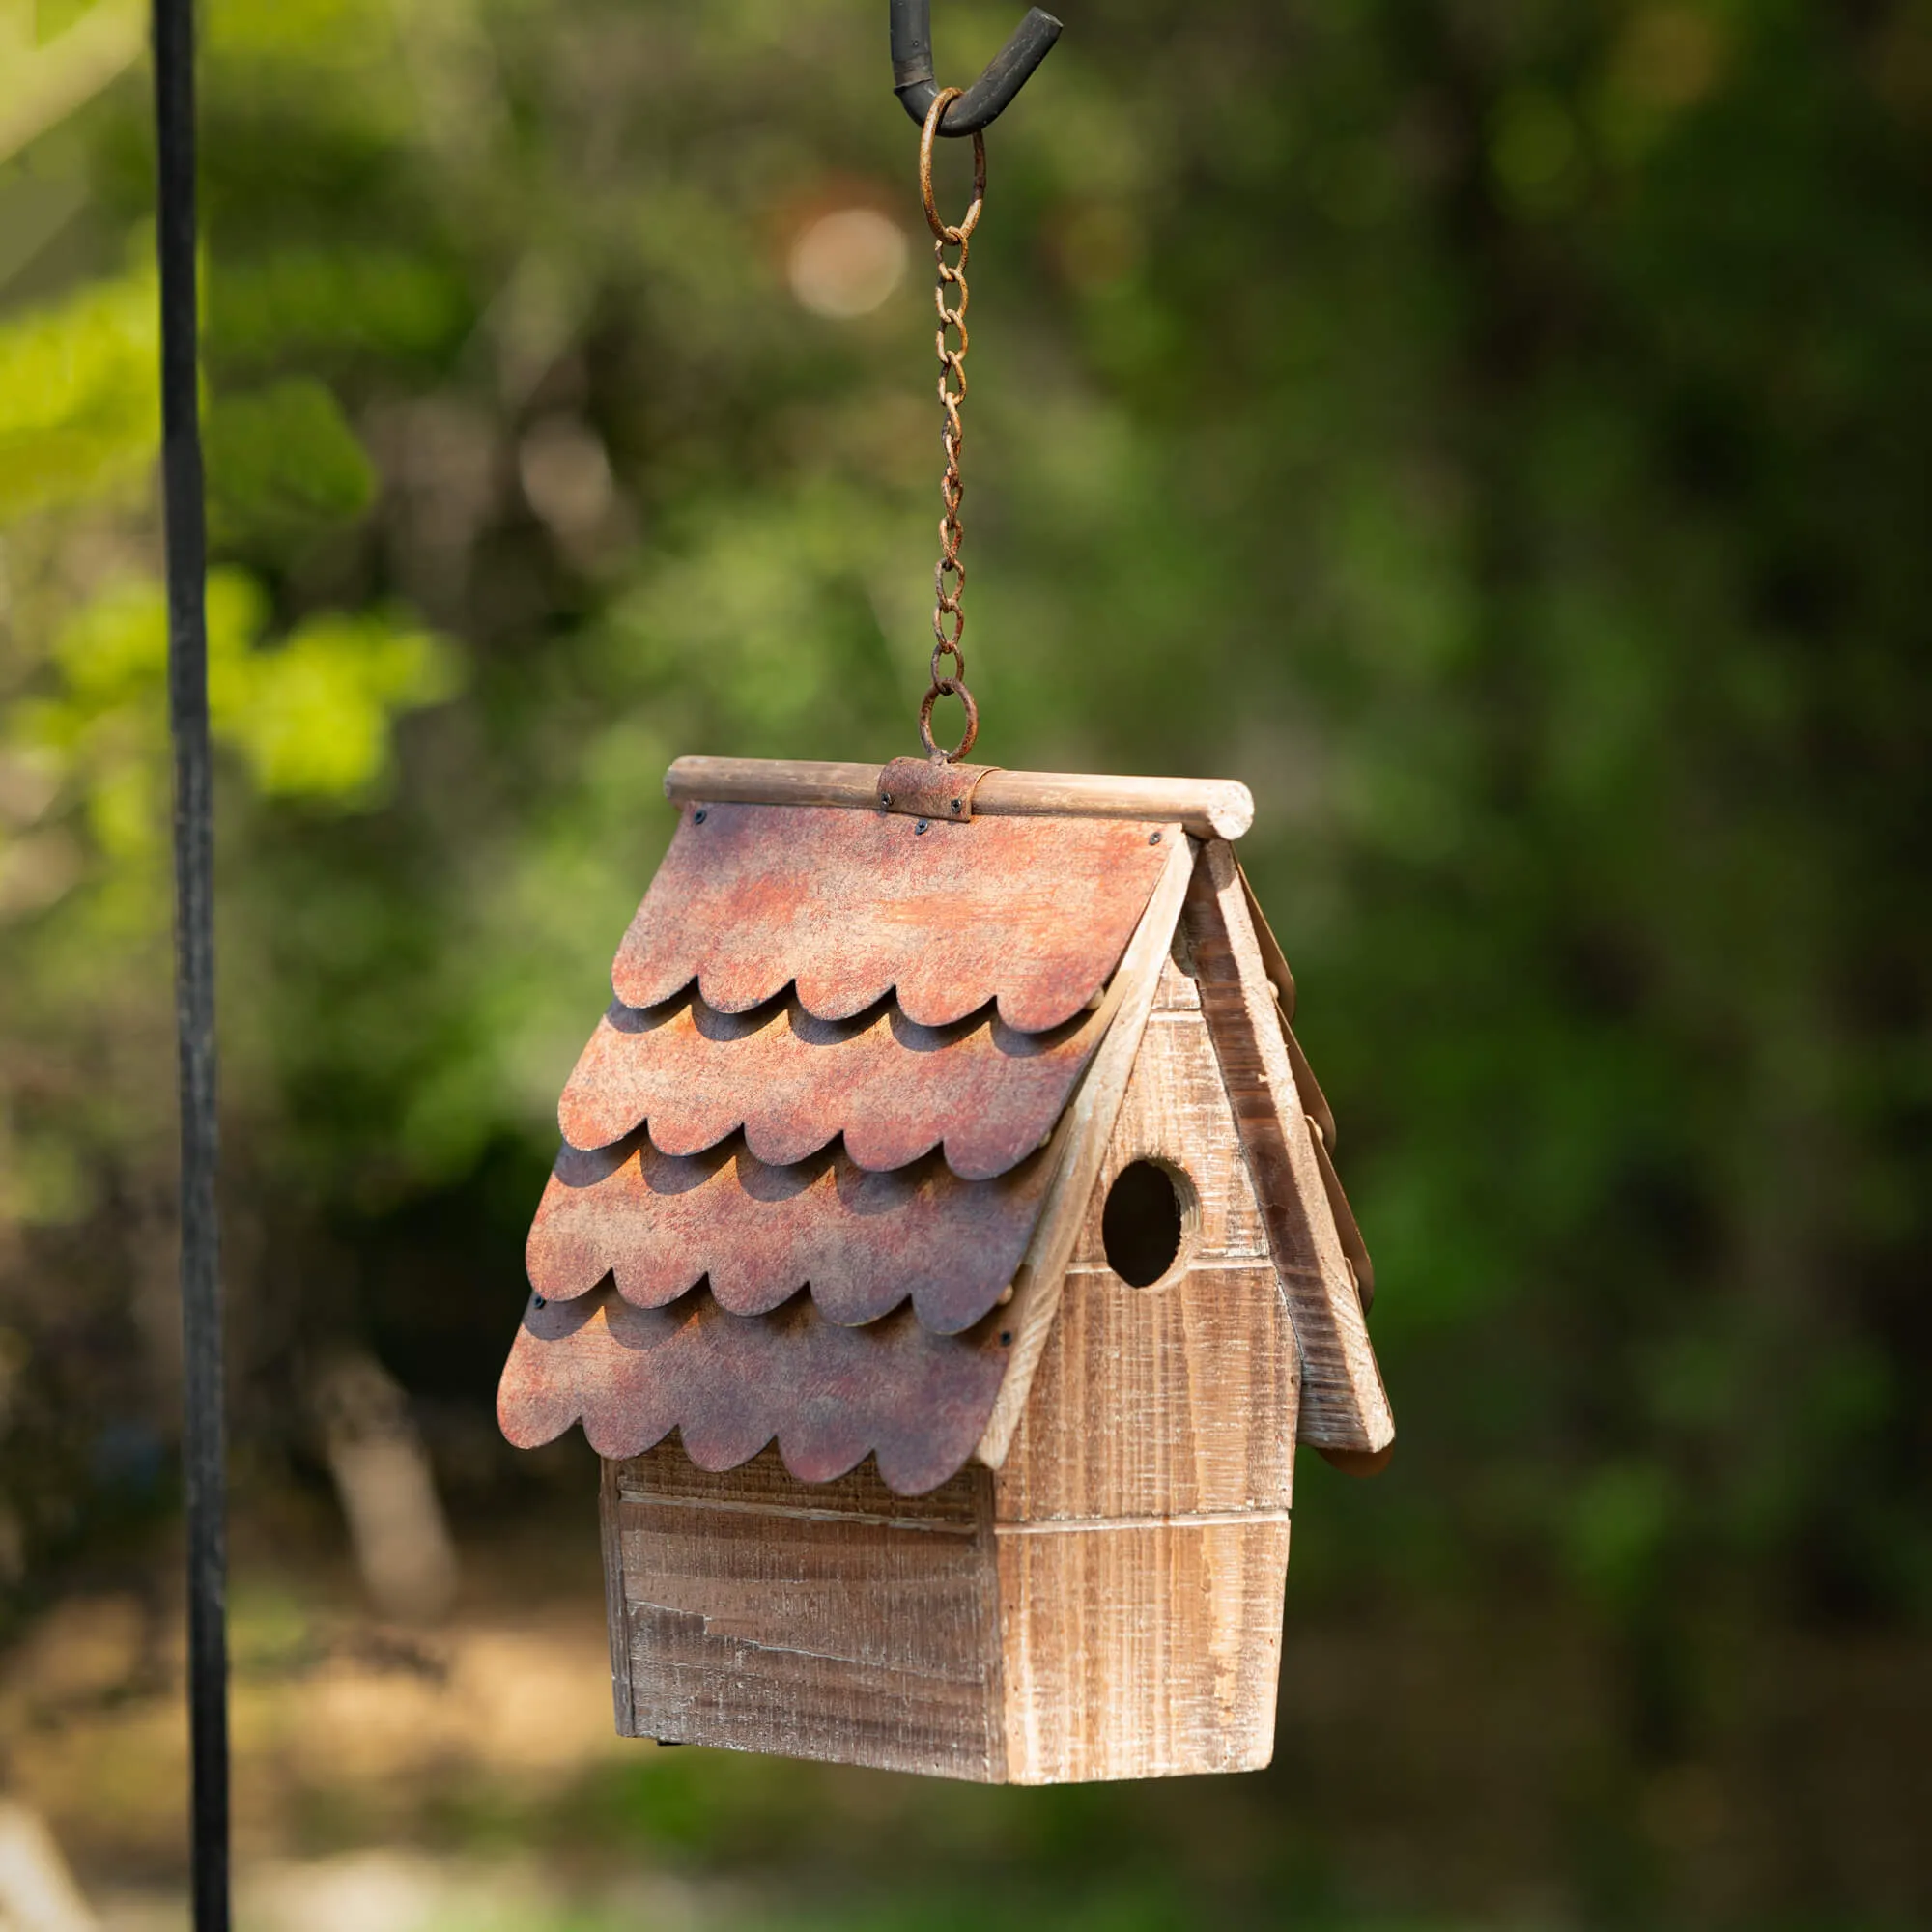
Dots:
pixel 971 221
pixel 948 687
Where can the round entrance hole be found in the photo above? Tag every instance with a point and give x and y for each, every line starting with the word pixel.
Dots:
pixel 1149 1210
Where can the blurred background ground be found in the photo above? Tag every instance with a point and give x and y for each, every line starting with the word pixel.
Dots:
pixel 1433 1771
pixel 1497 434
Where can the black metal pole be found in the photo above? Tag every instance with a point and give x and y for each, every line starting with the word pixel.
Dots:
pixel 203 1435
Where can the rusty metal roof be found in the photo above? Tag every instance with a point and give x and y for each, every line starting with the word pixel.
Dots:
pixel 893 1090
pixel 829 1395
pixel 849 906
pixel 802 1158
pixel 861 1241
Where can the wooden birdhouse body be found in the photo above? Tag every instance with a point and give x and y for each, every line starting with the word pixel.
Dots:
pixel 946 1300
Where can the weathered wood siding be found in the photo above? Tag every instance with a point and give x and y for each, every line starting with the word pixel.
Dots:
pixel 1142 1514
pixel 830 1620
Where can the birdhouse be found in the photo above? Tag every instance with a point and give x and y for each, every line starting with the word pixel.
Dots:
pixel 945 1257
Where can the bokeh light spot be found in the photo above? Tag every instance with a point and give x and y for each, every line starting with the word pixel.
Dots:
pixel 846 264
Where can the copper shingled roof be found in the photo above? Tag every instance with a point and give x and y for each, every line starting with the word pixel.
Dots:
pixel 848 906
pixel 862 1242
pixel 801 1148
pixel 892 1089
pixel 731 1383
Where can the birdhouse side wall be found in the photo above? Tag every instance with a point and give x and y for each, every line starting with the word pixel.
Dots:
pixel 752 1611
pixel 1141 1516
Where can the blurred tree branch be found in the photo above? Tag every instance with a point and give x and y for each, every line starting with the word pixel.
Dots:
pixel 40 86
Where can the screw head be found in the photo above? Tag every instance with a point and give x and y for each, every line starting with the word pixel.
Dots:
pixel 919 827
pixel 956 804
pixel 1006 1338
pixel 884 798
pixel 1154 838
pixel 537 1301
pixel 698 817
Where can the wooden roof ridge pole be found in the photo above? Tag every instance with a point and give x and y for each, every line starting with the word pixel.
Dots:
pixel 1085 1130
pixel 1208 807
pixel 204 1433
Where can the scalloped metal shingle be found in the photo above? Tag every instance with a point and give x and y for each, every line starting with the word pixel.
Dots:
pixel 892 1091
pixel 802 1157
pixel 850 906
pixel 828 1396
pixel 862 1242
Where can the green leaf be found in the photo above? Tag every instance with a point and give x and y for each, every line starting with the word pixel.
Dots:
pixel 284 459
pixel 313 716
pixel 310 716
pixel 79 409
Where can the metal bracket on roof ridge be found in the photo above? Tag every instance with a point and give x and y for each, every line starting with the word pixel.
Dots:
pixel 925 789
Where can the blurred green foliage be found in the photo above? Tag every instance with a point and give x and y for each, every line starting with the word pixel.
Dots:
pixel 79 397
pixel 1498 435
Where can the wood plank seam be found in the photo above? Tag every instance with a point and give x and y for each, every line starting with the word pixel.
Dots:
pixel 924 1526
pixel 1171 1519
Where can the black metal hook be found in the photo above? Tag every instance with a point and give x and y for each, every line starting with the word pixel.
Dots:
pixel 1007 73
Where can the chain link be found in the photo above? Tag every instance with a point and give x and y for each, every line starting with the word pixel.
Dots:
pixel 948 576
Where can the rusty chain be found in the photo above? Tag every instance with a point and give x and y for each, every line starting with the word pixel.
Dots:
pixel 948 576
